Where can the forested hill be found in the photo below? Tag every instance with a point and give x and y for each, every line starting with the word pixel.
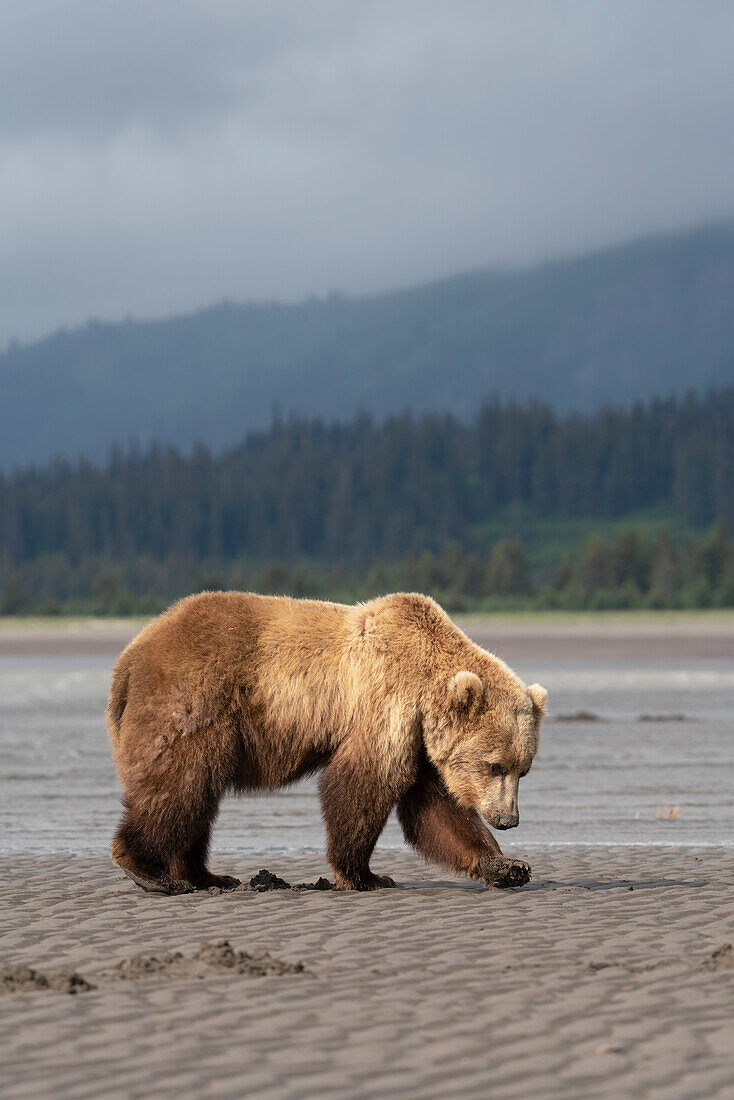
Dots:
pixel 353 493
pixel 356 508
pixel 647 318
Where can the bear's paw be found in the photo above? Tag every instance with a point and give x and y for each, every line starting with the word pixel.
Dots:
pixel 365 881
pixel 501 872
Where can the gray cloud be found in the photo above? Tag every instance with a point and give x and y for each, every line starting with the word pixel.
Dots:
pixel 154 158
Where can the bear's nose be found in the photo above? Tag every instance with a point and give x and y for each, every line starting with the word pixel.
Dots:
pixel 507 821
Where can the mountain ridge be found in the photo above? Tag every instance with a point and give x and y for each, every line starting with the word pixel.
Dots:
pixel 650 317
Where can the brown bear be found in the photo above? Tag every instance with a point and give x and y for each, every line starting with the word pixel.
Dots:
pixel 230 691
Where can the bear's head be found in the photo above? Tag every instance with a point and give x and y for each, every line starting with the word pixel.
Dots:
pixel 482 737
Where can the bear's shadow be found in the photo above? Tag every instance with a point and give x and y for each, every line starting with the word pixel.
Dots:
pixel 591 884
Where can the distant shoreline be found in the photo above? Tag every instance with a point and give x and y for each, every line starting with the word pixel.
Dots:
pixel 613 635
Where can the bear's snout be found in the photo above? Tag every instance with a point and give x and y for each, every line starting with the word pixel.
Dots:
pixel 501 816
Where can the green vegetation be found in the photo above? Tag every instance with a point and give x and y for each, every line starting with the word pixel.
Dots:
pixel 520 508
pixel 632 571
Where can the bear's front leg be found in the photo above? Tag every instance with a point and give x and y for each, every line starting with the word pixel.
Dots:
pixel 355 806
pixel 437 827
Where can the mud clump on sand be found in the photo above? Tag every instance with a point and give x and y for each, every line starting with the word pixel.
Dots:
pixel 320 884
pixel 24 979
pixel 208 960
pixel 721 959
pixel 662 718
pixel 265 880
pixel 579 716
pixel 211 959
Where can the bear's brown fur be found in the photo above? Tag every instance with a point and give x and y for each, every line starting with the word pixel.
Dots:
pixel 396 707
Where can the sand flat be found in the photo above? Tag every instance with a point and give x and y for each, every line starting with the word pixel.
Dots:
pixel 660 636
pixel 575 986
pixel 587 636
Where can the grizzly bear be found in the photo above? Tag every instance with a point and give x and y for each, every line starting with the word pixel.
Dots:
pixel 389 700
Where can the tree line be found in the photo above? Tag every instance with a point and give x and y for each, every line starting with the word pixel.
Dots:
pixel 633 570
pixel 330 505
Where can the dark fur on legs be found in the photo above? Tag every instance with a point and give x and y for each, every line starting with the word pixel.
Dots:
pixel 154 847
pixel 190 866
pixel 355 812
pixel 143 862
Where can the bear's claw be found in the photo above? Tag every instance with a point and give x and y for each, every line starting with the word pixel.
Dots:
pixel 370 881
pixel 162 885
pixel 222 882
pixel 501 872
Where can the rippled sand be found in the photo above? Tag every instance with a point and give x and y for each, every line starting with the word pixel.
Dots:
pixel 604 978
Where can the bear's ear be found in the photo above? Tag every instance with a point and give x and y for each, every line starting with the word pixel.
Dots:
pixel 465 690
pixel 539 697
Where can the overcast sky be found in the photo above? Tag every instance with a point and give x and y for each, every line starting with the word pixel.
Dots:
pixel 156 157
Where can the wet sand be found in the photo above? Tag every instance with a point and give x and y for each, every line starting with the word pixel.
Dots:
pixel 73 638
pixel 607 976
pixel 660 637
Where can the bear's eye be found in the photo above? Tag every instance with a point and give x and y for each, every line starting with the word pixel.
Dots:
pixel 497 769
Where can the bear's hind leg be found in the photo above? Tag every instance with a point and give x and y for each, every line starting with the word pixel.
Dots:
pixel 164 835
pixel 190 865
pixel 142 862
pixel 171 804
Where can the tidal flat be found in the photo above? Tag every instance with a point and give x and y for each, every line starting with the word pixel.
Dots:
pixel 610 974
